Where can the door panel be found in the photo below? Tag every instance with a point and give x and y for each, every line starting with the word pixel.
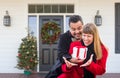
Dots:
pixel 48 52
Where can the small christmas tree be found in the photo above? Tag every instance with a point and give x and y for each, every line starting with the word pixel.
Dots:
pixel 27 54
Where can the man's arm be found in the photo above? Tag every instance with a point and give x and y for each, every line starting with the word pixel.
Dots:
pixel 63 47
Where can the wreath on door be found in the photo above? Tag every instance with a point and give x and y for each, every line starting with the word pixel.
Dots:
pixel 50 32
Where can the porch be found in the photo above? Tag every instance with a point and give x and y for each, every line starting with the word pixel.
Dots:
pixel 41 75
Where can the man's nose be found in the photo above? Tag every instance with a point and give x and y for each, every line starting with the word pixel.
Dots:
pixel 77 31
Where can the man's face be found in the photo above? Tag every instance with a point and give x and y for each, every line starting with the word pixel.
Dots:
pixel 76 29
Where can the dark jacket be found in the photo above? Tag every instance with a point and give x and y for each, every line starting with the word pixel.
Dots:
pixel 63 50
pixel 64 45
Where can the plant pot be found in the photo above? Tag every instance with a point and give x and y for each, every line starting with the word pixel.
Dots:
pixel 27 72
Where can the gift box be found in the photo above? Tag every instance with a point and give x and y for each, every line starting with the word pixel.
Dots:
pixel 79 52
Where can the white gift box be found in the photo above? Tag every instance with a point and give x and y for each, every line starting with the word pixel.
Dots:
pixel 79 52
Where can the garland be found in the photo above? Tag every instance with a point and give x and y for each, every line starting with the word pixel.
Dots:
pixel 50 32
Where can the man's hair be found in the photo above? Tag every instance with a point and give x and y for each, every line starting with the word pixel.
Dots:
pixel 75 18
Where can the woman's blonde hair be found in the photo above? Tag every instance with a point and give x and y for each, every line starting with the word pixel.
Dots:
pixel 91 28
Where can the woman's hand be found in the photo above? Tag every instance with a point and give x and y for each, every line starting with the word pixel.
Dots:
pixel 69 64
pixel 76 60
pixel 88 62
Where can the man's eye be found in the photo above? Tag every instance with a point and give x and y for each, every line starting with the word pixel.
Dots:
pixel 73 29
pixel 79 28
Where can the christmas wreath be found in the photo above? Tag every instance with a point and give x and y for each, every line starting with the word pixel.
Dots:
pixel 50 32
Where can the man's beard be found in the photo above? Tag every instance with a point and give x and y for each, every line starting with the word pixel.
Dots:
pixel 78 38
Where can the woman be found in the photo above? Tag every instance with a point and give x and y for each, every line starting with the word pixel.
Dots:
pixel 95 61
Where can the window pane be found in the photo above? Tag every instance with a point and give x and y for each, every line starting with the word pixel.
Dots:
pixel 47 8
pixel 32 25
pixel 54 8
pixel 62 8
pixel 32 9
pixel 67 23
pixel 70 8
pixel 39 8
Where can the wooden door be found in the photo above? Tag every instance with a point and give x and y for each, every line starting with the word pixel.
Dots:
pixel 47 52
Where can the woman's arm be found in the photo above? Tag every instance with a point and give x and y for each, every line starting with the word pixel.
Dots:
pixel 99 67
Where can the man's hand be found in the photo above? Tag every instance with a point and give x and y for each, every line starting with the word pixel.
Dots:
pixel 74 60
pixel 69 64
pixel 88 62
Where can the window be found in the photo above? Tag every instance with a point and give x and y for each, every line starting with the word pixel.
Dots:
pixel 117 27
pixel 39 8
pixel 32 23
pixel 51 8
pixel 67 23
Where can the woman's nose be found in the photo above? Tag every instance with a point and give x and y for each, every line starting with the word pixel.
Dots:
pixel 85 37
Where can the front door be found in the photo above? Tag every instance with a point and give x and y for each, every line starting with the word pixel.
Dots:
pixel 48 52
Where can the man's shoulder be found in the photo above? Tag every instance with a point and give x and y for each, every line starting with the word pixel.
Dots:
pixel 66 34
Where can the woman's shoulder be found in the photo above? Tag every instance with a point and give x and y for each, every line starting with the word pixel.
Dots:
pixel 105 48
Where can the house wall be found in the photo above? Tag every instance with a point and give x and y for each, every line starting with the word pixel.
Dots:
pixel 10 37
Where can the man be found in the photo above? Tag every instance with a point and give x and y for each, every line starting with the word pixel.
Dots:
pixel 75 24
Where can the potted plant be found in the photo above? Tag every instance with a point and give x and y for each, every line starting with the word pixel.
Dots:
pixel 27 55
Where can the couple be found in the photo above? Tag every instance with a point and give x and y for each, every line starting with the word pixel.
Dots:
pixel 87 35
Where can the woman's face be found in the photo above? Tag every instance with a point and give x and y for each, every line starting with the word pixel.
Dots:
pixel 87 39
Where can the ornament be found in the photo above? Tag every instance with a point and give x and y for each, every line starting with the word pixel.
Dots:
pixel 36 61
pixel 23 46
pixel 31 60
pixel 26 57
pixel 33 46
pixel 34 54
pixel 19 54
pixel 27 52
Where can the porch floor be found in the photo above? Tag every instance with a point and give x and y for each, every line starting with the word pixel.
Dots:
pixel 42 75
